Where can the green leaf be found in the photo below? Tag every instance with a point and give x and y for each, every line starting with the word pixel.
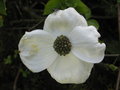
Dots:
pixel 8 60
pixel 58 4
pixel 2 7
pixel 118 1
pixel 83 9
pixel 51 6
pixel 111 67
pixel 63 4
pixel 71 3
pixel 1 21
pixel 24 73
pixel 93 22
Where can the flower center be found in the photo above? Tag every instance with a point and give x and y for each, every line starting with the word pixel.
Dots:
pixel 62 45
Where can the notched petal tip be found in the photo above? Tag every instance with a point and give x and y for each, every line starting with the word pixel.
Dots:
pixel 95 31
pixel 36 51
pixel 85 44
pixel 63 21
pixel 70 9
pixel 70 70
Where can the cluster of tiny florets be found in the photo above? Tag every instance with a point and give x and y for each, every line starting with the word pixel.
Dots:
pixel 62 45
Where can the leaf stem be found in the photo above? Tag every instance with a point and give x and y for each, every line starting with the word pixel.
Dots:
pixel 16 79
pixel 118 80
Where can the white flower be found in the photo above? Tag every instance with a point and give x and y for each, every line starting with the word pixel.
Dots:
pixel 67 47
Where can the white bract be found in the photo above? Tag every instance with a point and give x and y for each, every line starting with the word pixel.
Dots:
pixel 73 61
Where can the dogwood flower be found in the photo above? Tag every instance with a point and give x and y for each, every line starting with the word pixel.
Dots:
pixel 67 47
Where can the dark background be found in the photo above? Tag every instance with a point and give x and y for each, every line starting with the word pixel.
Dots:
pixel 26 15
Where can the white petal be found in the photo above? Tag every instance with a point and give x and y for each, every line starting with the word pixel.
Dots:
pixel 36 50
pixel 85 44
pixel 68 69
pixel 63 21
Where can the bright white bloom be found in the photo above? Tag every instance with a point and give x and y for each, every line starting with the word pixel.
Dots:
pixel 67 47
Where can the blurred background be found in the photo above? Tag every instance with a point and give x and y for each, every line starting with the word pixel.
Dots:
pixel 18 16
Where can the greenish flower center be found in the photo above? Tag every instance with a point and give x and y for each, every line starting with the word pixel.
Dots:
pixel 62 45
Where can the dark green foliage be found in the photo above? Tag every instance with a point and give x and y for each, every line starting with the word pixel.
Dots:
pixel 63 4
pixel 118 1
pixel 93 22
pixel 26 15
pixel 81 7
pixel 2 11
pixel 2 7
